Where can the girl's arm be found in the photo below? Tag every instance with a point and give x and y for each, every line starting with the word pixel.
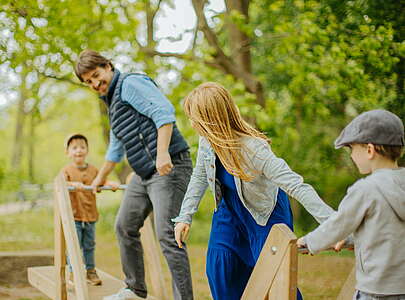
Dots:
pixel 278 171
pixel 351 213
pixel 195 190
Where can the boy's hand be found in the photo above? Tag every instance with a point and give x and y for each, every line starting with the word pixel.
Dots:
pixel 181 232
pixel 77 185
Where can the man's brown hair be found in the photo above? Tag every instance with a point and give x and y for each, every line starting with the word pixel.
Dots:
pixel 88 61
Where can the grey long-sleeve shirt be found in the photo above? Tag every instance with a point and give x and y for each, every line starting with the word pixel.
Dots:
pixel 374 211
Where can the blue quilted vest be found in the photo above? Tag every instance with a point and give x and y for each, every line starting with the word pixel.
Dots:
pixel 137 132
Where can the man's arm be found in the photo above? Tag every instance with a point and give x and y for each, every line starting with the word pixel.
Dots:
pixel 114 155
pixel 163 161
pixel 147 99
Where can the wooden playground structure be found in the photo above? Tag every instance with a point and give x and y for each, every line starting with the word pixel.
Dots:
pixel 274 276
pixel 51 280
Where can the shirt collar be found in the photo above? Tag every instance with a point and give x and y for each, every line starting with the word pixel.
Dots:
pixel 107 98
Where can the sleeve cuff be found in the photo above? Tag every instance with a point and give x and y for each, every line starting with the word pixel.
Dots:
pixel 309 246
pixel 182 219
pixel 163 121
pixel 113 158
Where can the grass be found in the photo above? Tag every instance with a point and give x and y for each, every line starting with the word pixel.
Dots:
pixel 320 277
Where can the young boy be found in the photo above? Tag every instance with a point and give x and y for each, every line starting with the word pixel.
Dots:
pixel 373 208
pixel 78 174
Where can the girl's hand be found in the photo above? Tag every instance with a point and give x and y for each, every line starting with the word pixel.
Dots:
pixel 339 245
pixel 302 244
pixel 181 233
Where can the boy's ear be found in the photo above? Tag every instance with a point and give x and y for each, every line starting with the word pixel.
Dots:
pixel 371 152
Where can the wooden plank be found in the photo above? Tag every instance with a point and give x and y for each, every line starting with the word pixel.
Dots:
pixel 43 279
pixel 71 239
pixel 60 254
pixel 152 258
pixel 349 287
pixel 269 262
pixel 285 283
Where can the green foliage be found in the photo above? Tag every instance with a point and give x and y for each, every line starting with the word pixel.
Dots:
pixel 321 63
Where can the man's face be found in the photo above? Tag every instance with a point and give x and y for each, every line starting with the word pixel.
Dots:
pixel 99 79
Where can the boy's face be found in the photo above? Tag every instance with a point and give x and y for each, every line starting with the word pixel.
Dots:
pixel 77 151
pixel 362 155
pixel 99 79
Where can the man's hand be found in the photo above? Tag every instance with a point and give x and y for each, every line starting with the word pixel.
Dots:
pixel 98 181
pixel 163 163
pixel 114 185
pixel 181 232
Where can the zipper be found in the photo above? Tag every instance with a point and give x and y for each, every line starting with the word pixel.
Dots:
pixel 146 147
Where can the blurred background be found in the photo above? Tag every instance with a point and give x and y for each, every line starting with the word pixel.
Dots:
pixel 299 71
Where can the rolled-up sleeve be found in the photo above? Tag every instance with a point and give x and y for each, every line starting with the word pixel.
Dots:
pixel 142 94
pixel 115 150
pixel 195 191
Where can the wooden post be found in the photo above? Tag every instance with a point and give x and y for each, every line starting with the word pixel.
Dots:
pixel 152 259
pixel 72 241
pixel 348 288
pixel 60 254
pixel 275 273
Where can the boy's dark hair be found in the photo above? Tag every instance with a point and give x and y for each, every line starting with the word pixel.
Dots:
pixel 391 152
pixel 76 136
pixel 88 61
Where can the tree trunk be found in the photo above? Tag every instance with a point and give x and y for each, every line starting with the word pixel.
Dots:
pixel 19 129
pixel 31 149
pixel 239 68
pixel 239 41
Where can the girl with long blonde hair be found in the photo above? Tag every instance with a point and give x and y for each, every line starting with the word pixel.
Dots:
pixel 250 186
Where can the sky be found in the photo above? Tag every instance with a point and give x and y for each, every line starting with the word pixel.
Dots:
pixel 171 22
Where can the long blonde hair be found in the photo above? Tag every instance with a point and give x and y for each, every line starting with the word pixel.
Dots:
pixel 214 114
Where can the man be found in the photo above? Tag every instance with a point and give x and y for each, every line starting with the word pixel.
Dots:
pixel 142 127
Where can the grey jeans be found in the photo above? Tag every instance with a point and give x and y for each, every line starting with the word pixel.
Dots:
pixel 163 195
pixel 358 295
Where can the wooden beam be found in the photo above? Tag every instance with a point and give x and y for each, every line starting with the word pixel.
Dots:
pixel 276 249
pixel 43 279
pixel 60 254
pixel 152 258
pixel 285 283
pixel 71 239
pixel 348 288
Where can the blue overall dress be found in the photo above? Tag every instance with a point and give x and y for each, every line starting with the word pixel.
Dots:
pixel 236 239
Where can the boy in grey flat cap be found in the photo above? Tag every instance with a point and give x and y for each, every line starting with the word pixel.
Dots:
pixel 373 208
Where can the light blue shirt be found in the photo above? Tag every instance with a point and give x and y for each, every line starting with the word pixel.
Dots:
pixel 142 94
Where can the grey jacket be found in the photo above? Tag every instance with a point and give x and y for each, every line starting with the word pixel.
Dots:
pixel 374 210
pixel 258 195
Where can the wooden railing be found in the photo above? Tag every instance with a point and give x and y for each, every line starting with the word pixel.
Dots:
pixel 51 279
pixel 275 274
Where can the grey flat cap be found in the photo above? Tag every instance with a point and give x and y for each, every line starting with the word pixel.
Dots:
pixel 379 127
